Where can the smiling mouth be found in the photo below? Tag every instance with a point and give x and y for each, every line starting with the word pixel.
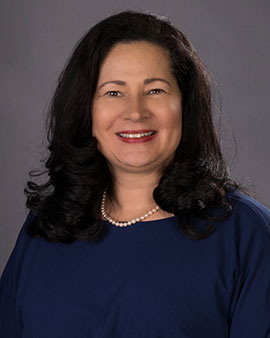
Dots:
pixel 136 135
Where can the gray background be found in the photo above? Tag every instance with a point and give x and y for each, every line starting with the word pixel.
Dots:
pixel 232 38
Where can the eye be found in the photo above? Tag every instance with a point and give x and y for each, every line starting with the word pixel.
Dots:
pixel 157 91
pixel 112 93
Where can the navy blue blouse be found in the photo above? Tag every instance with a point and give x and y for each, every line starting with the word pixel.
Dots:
pixel 144 281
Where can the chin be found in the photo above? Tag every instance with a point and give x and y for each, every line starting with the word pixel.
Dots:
pixel 140 164
pixel 136 164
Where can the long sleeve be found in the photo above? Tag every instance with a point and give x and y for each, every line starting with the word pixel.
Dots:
pixel 250 308
pixel 10 323
pixel 144 281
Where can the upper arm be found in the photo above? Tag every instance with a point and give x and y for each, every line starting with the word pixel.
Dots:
pixel 250 306
pixel 10 325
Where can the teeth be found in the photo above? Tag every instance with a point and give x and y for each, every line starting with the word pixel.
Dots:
pixel 137 135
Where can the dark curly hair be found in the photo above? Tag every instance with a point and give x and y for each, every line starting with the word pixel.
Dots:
pixel 67 205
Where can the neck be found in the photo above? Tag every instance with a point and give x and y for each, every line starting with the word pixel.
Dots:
pixel 134 192
pixel 133 196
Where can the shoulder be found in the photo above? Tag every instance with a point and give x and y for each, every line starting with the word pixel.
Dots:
pixel 23 238
pixel 16 262
pixel 23 247
pixel 249 208
pixel 30 216
pixel 23 241
pixel 243 202
pixel 249 220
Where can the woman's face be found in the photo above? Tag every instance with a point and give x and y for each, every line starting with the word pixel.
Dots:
pixel 137 94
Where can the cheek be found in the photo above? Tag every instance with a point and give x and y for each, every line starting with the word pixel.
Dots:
pixel 102 121
pixel 173 117
pixel 176 119
pixel 98 121
pixel 96 128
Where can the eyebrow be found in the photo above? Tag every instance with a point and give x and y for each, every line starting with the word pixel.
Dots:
pixel 146 81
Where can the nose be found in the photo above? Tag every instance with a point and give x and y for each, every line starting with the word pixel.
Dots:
pixel 136 109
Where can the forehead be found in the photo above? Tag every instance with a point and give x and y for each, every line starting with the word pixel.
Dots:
pixel 139 46
pixel 135 57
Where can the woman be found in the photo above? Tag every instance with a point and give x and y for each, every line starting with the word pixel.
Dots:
pixel 139 230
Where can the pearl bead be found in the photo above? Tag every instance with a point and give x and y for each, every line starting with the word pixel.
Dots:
pixel 123 224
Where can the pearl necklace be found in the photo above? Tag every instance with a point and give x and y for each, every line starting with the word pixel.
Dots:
pixel 124 224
